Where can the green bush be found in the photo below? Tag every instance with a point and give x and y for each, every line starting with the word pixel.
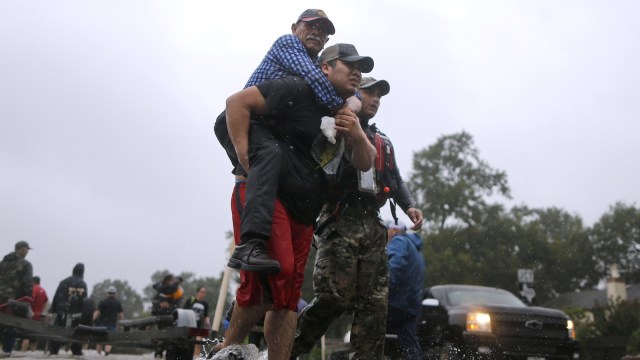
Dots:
pixel 585 328
pixel 633 346
pixel 616 318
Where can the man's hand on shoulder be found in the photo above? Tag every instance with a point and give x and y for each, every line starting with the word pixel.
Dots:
pixel 416 217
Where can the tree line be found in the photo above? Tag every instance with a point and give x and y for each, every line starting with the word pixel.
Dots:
pixel 471 238
pixel 133 303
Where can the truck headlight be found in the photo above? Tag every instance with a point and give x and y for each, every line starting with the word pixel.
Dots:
pixel 478 322
pixel 571 329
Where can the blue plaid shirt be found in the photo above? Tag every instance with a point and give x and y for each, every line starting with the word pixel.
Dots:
pixel 288 56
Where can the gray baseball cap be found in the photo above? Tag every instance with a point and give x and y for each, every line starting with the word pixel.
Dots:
pixel 348 53
pixel 22 244
pixel 369 82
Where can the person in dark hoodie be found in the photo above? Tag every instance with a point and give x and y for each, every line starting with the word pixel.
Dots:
pixel 16 276
pixel 67 302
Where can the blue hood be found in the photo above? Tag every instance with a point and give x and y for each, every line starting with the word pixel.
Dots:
pixel 414 238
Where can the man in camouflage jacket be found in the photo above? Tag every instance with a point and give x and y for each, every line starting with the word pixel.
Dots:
pixel 16 281
pixel 351 272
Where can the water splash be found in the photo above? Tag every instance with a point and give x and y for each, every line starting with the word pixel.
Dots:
pixel 240 352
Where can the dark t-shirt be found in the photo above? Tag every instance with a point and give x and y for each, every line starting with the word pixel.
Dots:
pixel 294 118
pixel 294 113
pixel 109 310
pixel 200 308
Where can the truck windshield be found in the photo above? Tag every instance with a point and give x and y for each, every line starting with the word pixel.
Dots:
pixel 481 297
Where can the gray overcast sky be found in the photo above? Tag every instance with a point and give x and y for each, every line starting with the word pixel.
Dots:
pixel 107 153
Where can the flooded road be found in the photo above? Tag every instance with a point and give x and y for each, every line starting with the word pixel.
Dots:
pixel 87 354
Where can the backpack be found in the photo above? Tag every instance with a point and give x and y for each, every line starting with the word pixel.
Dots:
pixel 384 165
pixel 384 162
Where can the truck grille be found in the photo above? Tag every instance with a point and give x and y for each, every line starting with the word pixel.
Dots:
pixel 529 326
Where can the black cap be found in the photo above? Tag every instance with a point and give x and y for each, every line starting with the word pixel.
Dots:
pixel 22 244
pixel 348 53
pixel 317 14
pixel 369 82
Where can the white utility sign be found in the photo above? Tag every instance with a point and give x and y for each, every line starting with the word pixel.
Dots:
pixel 525 276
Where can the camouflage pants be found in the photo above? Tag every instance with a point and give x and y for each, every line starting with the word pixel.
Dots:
pixel 350 275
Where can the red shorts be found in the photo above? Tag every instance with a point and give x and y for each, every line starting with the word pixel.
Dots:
pixel 289 244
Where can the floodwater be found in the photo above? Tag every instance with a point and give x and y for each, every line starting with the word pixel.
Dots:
pixel 86 354
pixel 240 351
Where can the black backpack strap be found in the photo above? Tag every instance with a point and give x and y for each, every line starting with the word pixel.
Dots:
pixel 392 204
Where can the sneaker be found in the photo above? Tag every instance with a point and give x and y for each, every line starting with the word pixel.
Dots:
pixel 253 256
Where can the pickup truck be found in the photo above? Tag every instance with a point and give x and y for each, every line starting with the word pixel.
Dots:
pixel 477 322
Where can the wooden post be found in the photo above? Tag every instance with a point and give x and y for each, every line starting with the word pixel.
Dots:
pixel 222 296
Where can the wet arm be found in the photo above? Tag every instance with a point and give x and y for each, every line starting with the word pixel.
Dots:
pixel 239 108
pixel 406 202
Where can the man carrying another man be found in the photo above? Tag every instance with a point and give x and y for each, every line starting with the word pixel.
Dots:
pixel 291 54
pixel 285 112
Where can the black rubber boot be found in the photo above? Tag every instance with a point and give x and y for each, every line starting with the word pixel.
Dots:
pixel 253 256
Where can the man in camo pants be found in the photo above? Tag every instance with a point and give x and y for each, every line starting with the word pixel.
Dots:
pixel 351 273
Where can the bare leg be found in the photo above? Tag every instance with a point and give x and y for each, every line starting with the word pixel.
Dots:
pixel 242 320
pixel 107 349
pixel 99 348
pixel 197 349
pixel 279 330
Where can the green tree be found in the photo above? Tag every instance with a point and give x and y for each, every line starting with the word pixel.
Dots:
pixel 616 240
pixel 132 304
pixel 556 245
pixel 615 318
pixel 550 241
pixel 470 240
pixel 481 254
pixel 451 182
